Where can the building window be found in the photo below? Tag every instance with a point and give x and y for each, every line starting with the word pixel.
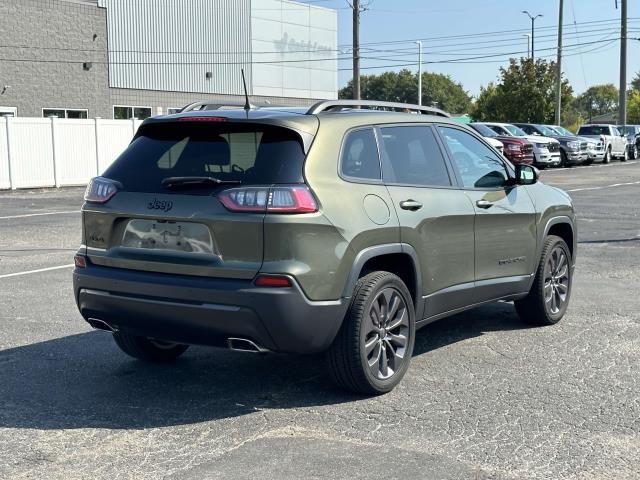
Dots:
pixel 171 111
pixel 121 112
pixel 8 112
pixel 65 112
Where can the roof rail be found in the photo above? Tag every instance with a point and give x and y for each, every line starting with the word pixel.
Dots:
pixel 215 105
pixel 337 105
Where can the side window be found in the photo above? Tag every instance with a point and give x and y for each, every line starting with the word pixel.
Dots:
pixel 615 132
pixel 414 156
pixel 360 155
pixel 479 166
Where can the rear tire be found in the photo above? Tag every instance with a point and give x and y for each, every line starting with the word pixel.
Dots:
pixel 625 156
pixel 548 298
pixel 148 350
pixel 373 348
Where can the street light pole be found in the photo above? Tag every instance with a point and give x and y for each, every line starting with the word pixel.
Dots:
pixel 419 72
pixel 533 21
pixel 528 35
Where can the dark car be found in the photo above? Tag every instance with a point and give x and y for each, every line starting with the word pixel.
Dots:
pixel 573 149
pixel 632 132
pixel 335 230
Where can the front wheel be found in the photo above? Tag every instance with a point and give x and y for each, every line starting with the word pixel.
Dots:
pixel 548 298
pixel 373 348
pixel 607 156
pixel 144 348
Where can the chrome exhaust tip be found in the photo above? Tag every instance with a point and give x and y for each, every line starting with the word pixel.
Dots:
pixel 101 325
pixel 244 345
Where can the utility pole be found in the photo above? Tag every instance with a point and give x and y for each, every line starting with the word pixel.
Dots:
pixel 533 33
pixel 559 66
pixel 356 49
pixel 419 72
pixel 622 113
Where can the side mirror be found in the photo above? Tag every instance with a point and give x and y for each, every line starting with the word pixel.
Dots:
pixel 526 175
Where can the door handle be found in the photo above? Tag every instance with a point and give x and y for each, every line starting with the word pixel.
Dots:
pixel 411 205
pixel 484 204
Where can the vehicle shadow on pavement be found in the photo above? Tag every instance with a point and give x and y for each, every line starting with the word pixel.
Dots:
pixel 84 381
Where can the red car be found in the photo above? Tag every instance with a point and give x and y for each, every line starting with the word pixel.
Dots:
pixel 518 151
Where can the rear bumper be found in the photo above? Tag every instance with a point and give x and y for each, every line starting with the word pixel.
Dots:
pixel 206 311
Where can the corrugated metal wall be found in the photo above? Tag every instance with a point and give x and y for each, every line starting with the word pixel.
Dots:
pixel 172 44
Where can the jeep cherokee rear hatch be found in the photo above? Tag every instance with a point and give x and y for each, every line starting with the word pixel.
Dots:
pixel 189 196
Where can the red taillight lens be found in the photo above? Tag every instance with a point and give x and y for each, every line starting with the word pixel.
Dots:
pixel 281 199
pixel 274 281
pixel 100 190
pixel 80 261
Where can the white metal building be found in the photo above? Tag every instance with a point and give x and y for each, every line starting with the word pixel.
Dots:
pixel 286 48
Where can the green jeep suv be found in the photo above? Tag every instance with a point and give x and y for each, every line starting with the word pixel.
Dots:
pixel 339 229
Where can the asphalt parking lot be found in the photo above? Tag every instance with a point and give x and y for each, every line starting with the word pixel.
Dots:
pixel 486 397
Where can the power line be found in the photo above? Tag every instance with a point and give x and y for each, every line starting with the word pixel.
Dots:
pixel 179 63
pixel 484 34
pixel 505 56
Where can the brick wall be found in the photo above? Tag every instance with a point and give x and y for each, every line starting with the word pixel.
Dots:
pixel 52 31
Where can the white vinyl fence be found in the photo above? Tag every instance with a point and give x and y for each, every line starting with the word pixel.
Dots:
pixel 56 152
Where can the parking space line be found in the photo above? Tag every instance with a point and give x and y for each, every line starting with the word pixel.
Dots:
pixel 26 215
pixel 604 186
pixel 40 270
pixel 582 167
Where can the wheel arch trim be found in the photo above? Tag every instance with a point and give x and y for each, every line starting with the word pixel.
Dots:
pixel 378 251
pixel 557 221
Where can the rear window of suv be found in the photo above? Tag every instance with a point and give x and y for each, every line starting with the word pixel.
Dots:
pixel 252 154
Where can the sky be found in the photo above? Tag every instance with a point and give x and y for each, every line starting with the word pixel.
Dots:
pixel 493 30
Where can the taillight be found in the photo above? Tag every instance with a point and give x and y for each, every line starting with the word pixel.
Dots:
pixel 100 190
pixel 80 261
pixel 280 199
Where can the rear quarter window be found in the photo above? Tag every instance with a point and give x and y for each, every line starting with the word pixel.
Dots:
pixel 359 158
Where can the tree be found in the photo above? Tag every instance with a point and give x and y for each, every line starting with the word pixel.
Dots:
pixel 633 107
pixel 437 90
pixel 487 106
pixel 524 93
pixel 635 83
pixel 598 100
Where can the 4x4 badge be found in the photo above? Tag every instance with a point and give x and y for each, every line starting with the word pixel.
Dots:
pixel 164 205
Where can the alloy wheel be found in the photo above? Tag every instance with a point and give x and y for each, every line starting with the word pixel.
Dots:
pixel 386 333
pixel 556 280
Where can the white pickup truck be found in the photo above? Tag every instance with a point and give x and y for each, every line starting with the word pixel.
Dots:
pixel 610 139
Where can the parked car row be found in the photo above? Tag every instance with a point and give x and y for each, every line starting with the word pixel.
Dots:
pixel 553 145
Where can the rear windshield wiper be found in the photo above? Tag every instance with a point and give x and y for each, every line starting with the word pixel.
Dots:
pixel 186 182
